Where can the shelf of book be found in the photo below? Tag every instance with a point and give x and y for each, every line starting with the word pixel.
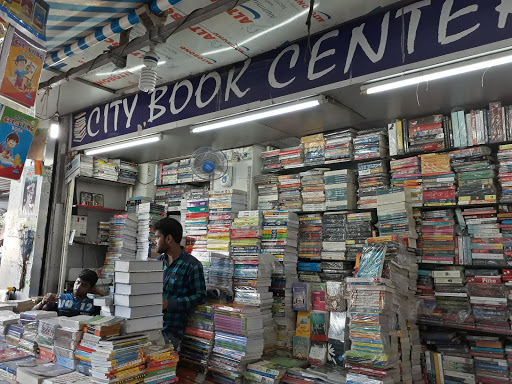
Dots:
pixel 467 327
pixel 103 182
pixel 89 243
pixel 92 207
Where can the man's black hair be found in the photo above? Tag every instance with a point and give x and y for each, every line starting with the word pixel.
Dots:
pixel 170 226
pixel 89 276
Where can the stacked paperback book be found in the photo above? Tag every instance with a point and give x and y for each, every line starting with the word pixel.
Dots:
pixel 170 196
pixel 314 149
pixel 271 160
pixel 340 190
pixel 394 210
pixel 334 236
pixel 438 180
pixel 185 174
pixel 438 237
pixel 428 134
pixel 106 169
pixel 289 193
pixel 339 146
pixel 268 191
pixel 161 363
pixel 313 190
pixel 359 228
pixel 310 246
pixel 167 174
pixel 122 242
pixel 505 172
pixel 291 157
pixel 373 177
pixel 406 173
pixel 66 342
pixel 147 215
pixel 371 144
pixel 128 172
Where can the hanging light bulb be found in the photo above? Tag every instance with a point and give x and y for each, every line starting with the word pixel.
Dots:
pixel 55 127
pixel 148 75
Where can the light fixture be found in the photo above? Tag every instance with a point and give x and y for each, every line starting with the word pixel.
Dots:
pixel 262 113
pixel 442 72
pixel 124 144
pixel 55 127
pixel 147 81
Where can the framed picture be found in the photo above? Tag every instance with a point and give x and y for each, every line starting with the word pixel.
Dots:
pixel 97 200
pixel 86 198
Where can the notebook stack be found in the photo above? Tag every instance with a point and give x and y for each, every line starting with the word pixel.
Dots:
pixel 292 157
pixel 427 134
pixel 406 173
pixel 106 169
pixel 196 346
pixel 334 236
pixel 185 174
pixel 394 211
pixel 268 191
pixel 371 144
pixel 66 342
pixel 452 301
pixel 138 294
pixel 359 228
pixel 438 237
pixel 122 242
pixel 314 149
pixel 438 180
pixel 504 158
pixel 339 146
pixel 289 193
pixel 161 363
pixel 313 190
pixel 147 215
pixel 373 177
pixel 340 190
pixel 271 161
pixel 475 176
pixel 128 173
pixel 310 247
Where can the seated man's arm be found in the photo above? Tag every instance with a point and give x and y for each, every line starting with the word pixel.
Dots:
pixel 47 304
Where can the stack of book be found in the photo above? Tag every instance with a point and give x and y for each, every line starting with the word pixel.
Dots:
pixel 138 294
pixel 147 215
pixel 406 173
pixel 133 203
pixel 475 176
pixel 197 344
pixel 394 211
pixel 103 232
pixel 371 144
pixel 488 299
pixel 106 169
pixel 458 368
pixel 167 174
pixel 85 164
pixel 505 220
pixel 425 295
pixel 314 149
pixel 268 191
pixel 7 318
pixel 46 330
pixel 313 190
pixel 427 134
pixel 122 242
pixel 438 237
pixel 72 328
pixel 66 342
pixel 271 160
pixel 128 173
pixel 310 246
pixel 504 158
pixel 451 296
pixel 489 359
pixel 185 174
pixel 289 193
pixel 196 220
pixel 340 190
pixel 334 236
pixel 161 363
pixel 270 371
pixel 438 180
pixel 28 341
pixel 339 146
pixel 292 157
pixel 359 228
pixel 373 177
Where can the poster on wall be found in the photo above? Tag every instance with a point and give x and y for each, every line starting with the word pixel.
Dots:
pixel 33 12
pixel 17 131
pixel 28 207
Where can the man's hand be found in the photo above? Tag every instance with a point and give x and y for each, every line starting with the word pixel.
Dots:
pixel 165 304
pixel 50 298
pixel 96 291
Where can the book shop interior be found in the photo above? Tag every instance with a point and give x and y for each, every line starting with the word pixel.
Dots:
pixel 332 206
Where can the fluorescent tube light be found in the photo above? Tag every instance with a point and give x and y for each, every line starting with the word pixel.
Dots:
pixel 54 129
pixel 125 144
pixel 437 73
pixel 258 114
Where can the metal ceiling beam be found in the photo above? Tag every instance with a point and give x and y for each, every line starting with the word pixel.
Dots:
pixel 89 83
pixel 194 18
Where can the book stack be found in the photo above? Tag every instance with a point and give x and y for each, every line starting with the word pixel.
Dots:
pixel 406 173
pixel 167 174
pixel 46 329
pixel 106 169
pixel 270 371
pixel 161 363
pixel 289 193
pixel 66 342
pixel 292 157
pixel 340 190
pixel 195 227
pixel 147 215
pixel 196 346
pixel 171 196
pixel 504 158
pixel 185 174
pixel 310 247
pixel 271 160
pixel 427 134
pixel 128 173
pixel 489 359
pixel 425 295
pixel 28 341
pixel 373 177
pixel 7 318
pixel 334 236
pixel 122 242
pixel 505 220
pixel 338 338
pixel 475 176
pixel 118 359
pixel 268 191
pixel 336 270
pixel 138 294
pixel 451 296
pixel 359 228
pixel 313 190
pixel 438 237
pixel 458 369
pixel 133 203
pixel 314 149
pixel 103 232
pixel 394 211
pixel 438 180
pixel 339 146
pixel 86 165
pixel 371 144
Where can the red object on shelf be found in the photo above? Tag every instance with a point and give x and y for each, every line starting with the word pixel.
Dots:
pixel 99 208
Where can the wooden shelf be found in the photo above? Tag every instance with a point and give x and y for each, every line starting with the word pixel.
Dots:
pixel 98 208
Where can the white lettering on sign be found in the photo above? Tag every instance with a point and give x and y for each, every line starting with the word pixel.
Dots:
pixel 274 83
pixel 358 38
pixel 115 104
pixel 316 57
pixel 447 17
pixel 415 11
pixel 504 9
pixel 96 111
pixel 153 104
pixel 129 111
pixel 105 118
pixel 232 83
pixel 190 92
pixel 212 75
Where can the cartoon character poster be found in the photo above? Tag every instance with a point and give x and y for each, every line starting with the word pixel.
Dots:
pixel 23 62
pixel 17 131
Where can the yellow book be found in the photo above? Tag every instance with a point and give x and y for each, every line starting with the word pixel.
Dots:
pixel 400 136
pixel 303 324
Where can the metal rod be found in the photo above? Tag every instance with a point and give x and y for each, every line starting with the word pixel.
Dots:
pixel 89 83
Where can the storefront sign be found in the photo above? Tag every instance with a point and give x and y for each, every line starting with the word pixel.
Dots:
pixel 418 32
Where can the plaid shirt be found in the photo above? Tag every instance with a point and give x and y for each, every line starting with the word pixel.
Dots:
pixel 184 288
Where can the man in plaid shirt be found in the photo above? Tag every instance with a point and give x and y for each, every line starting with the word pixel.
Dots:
pixel 184 286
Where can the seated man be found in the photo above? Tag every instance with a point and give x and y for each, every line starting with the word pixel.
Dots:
pixel 67 304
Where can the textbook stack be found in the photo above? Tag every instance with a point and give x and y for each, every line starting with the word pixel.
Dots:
pixel 167 174
pixel 452 302
pixel 438 180
pixel 340 190
pixel 106 169
pixel 438 237
pixel 313 190
pixel 371 144
pixel 359 228
pixel 394 211
pixel 475 176
pixel 505 220
pixel 314 149
pixel 122 242
pixel 339 146
pixel 489 359
pixel 161 363
pixel 196 346
pixel 46 329
pixel 7 318
pixel 66 342
pixel 428 134
pixel 268 191
pixel 270 371
pixel 289 193
pixel 185 174
pixel 505 172
pixel 271 160
pixel 373 177
pixel 103 232
pixel 334 236
pixel 406 173
pixel 127 172
pixel 292 157
pixel 148 214
pixel 85 164
pixel 310 247
pixel 138 294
